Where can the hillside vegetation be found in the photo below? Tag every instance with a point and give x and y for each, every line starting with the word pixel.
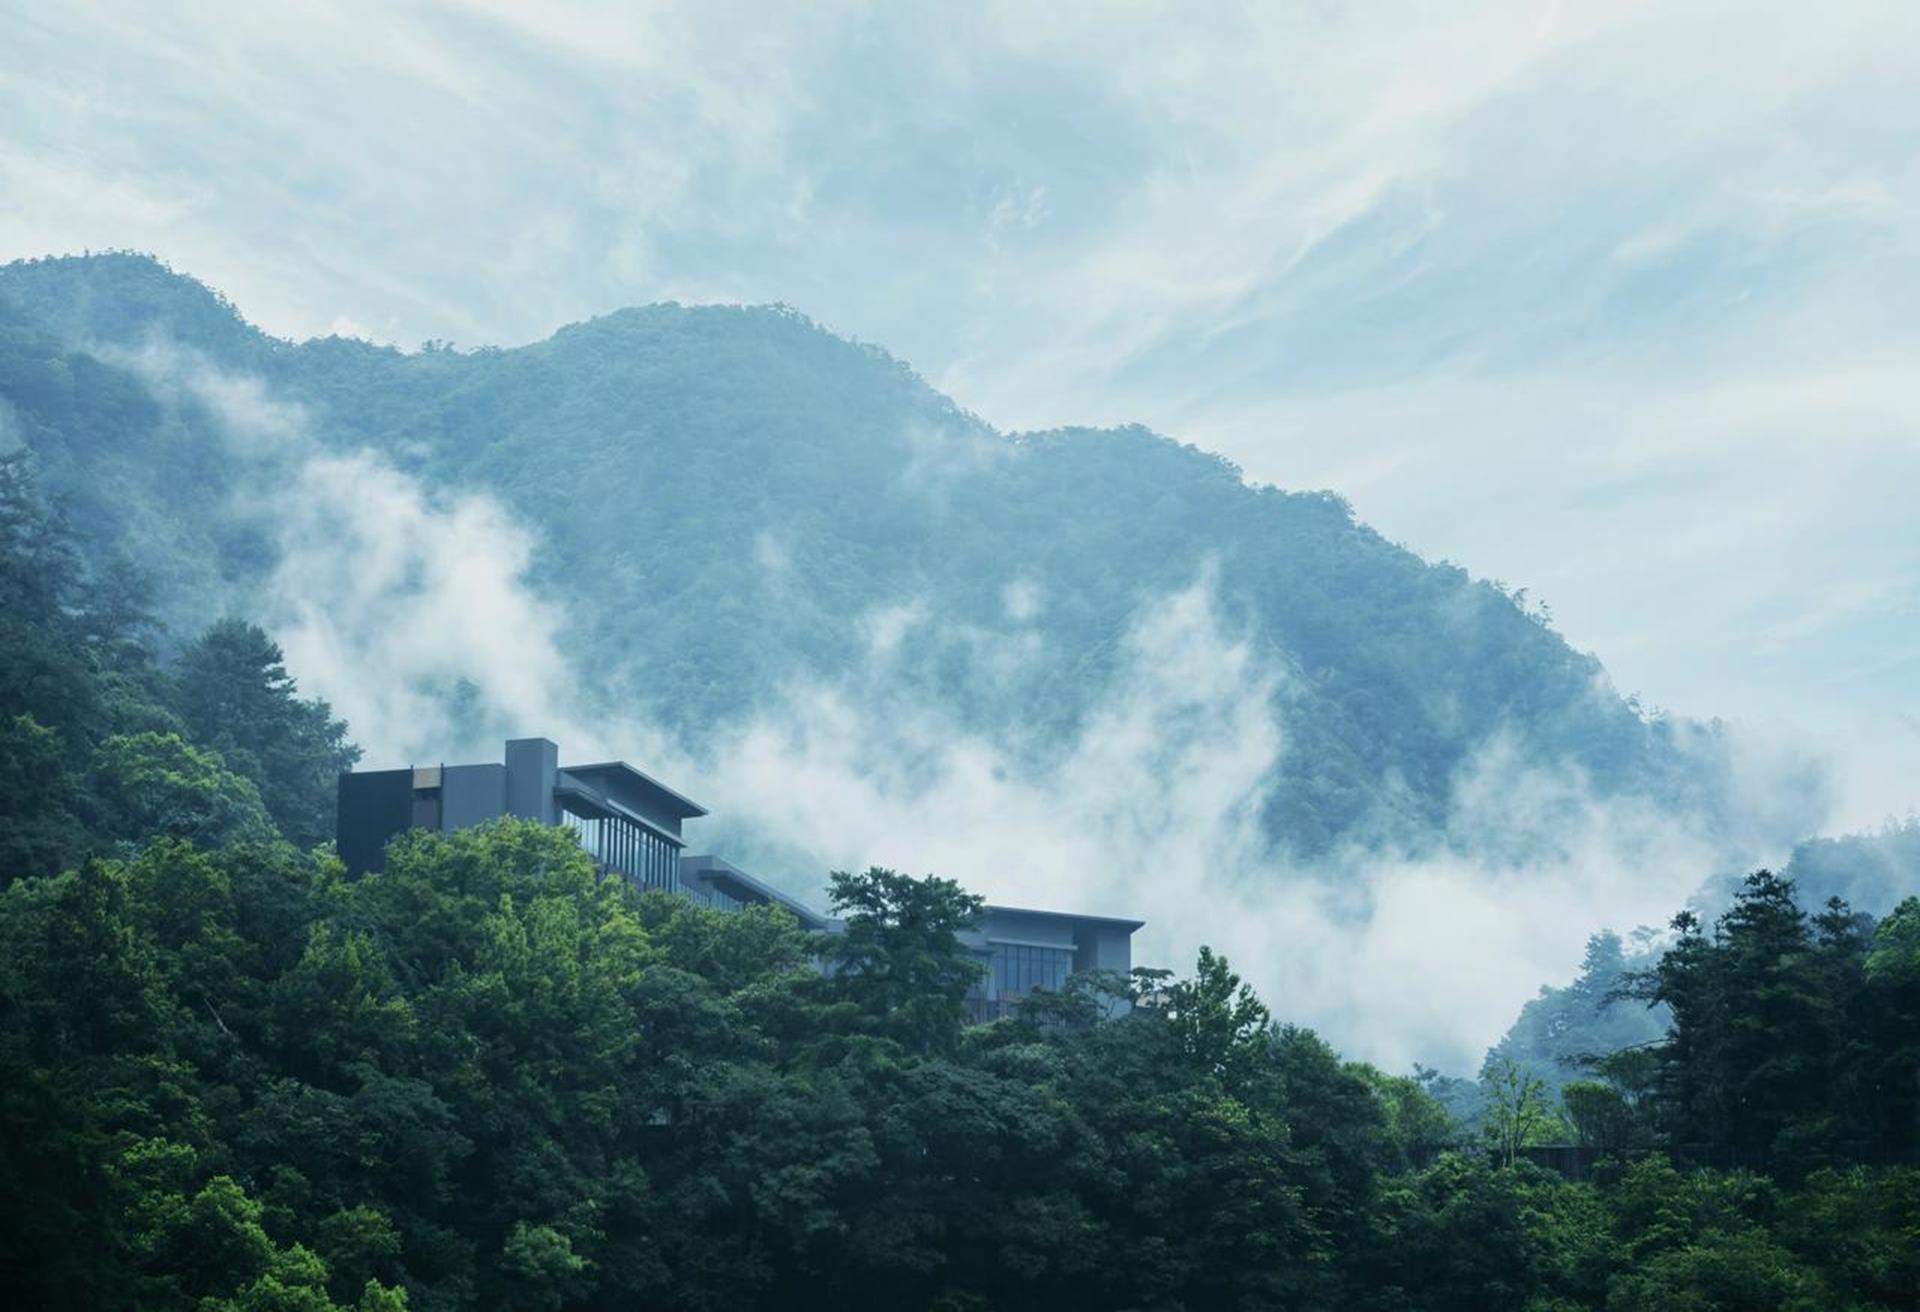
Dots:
pixel 722 494
pixel 236 1079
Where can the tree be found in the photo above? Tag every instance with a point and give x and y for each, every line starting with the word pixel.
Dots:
pixel 1454 1238
pixel 1564 1029
pixel 486 1076
pixel 39 833
pixel 1517 1113
pixel 1742 1270
pixel 899 961
pixel 1221 1026
pixel 41 577
pixel 160 784
pixel 234 694
pixel 1891 971
pixel 1418 1125
pixel 1702 1239
pixel 1600 1116
pixel 1758 1062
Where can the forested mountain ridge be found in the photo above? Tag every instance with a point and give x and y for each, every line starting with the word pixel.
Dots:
pixel 687 468
pixel 483 1077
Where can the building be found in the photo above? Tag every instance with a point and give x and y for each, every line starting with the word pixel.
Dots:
pixel 626 819
pixel 630 823
pixel 1021 949
pixel 713 882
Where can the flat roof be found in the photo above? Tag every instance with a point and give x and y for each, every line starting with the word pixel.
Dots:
pixel 1116 921
pixel 719 870
pixel 592 797
pixel 686 806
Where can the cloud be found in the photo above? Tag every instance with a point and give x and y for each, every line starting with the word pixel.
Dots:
pixel 1731 540
pixel 1461 263
pixel 1152 810
pixel 410 609
pixel 772 555
pixel 405 607
pixel 1023 599
pixel 1608 300
pixel 388 598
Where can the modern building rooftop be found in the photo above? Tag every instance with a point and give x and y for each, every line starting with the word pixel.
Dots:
pixel 718 883
pixel 630 823
pixel 619 780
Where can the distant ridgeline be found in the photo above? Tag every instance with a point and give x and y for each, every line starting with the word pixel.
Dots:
pixel 722 495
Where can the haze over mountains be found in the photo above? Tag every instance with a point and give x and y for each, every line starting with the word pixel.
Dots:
pixel 864 625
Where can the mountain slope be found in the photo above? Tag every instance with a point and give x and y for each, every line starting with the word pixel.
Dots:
pixel 725 499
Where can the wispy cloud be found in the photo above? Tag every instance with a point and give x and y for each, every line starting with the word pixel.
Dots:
pixel 412 611
pixel 1462 263
pixel 406 607
pixel 1611 300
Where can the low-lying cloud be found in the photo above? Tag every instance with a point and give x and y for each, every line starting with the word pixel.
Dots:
pixel 1153 811
pixel 406 607
pixel 410 609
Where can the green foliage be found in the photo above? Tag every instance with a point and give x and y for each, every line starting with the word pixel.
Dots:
pixel 102 746
pixel 1600 1115
pixel 1873 871
pixel 1565 1030
pixel 1705 1240
pixel 235 695
pixel 485 1077
pixel 1781 1036
pixel 1455 1236
pixel 1887 1066
pixel 1219 1023
pixel 158 783
pixel 1518 1114
pixel 1894 962
pixel 543 1267
pixel 1417 1124
pixel 38 829
pixel 233 1078
pixel 1743 1270
pixel 899 965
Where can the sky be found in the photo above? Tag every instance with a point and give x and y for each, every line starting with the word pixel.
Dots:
pixel 1610 301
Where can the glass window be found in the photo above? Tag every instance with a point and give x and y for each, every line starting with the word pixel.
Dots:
pixel 1019 969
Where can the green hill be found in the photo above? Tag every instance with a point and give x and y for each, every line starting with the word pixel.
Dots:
pixel 721 494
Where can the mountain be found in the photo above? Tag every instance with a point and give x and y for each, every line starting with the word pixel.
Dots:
pixel 1872 871
pixel 723 499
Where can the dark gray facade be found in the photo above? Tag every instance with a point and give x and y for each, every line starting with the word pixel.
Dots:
pixel 629 821
pixel 631 824
pixel 374 805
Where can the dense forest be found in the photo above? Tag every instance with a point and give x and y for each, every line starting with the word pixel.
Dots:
pixel 232 1077
pixel 724 494
pixel 1559 1033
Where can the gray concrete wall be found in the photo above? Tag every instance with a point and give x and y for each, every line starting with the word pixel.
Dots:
pixel 470 794
pixel 532 766
pixel 1102 947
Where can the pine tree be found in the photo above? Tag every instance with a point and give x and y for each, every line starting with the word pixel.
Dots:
pixel 235 695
